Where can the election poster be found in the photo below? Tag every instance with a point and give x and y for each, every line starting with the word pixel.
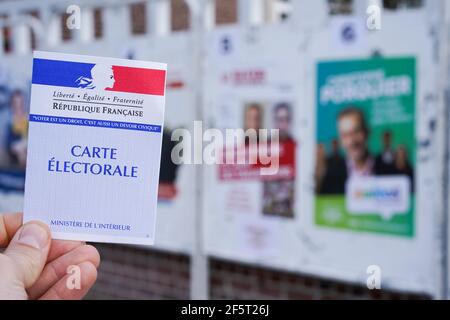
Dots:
pixel 277 190
pixel 368 166
pixel 14 107
pixel 251 193
pixel 366 146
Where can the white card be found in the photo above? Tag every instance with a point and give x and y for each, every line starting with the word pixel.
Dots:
pixel 94 147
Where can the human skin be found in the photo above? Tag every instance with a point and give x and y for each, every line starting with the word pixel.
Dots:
pixel 353 138
pixel 282 122
pixel 33 266
pixel 253 118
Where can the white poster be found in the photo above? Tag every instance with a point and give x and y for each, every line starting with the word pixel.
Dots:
pixel 249 216
pixel 386 219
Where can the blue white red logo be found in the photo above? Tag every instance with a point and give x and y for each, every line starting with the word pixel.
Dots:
pixel 98 76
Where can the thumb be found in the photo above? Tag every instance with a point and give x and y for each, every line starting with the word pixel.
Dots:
pixel 28 252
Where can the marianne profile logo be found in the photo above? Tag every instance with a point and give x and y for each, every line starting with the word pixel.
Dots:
pixel 98 76
pixel 102 77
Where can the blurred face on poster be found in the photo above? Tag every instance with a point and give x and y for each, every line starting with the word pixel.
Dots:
pixel 18 130
pixel 3 97
pixel 335 147
pixel 253 117
pixel 283 119
pixel 387 140
pixel 353 135
pixel 18 105
pixel 401 158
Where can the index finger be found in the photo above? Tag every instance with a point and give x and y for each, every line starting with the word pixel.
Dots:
pixel 9 224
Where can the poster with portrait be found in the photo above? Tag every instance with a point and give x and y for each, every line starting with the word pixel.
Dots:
pixel 251 214
pixel 366 146
pixel 14 105
pixel 277 187
pixel 371 166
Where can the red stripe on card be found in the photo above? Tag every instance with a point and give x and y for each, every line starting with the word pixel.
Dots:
pixel 139 80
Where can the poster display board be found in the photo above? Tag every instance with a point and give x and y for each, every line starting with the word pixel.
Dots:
pixel 250 216
pixel 372 204
pixel 357 181
pixel 363 174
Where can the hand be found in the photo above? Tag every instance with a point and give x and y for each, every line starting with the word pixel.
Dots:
pixel 34 266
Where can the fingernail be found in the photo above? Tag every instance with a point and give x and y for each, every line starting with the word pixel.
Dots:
pixel 34 236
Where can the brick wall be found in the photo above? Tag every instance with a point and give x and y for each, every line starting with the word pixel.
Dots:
pixel 179 15
pixel 128 272
pixel 230 280
pixel 135 273
pixel 226 12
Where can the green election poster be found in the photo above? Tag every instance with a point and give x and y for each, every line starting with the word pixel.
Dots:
pixel 366 145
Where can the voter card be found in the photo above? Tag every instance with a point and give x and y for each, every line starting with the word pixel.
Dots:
pixel 94 147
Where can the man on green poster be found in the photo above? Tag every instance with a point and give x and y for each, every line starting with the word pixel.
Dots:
pixel 353 136
pixel 366 145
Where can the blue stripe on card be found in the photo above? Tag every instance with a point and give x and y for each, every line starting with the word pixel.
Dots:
pixel 60 73
pixel 95 123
